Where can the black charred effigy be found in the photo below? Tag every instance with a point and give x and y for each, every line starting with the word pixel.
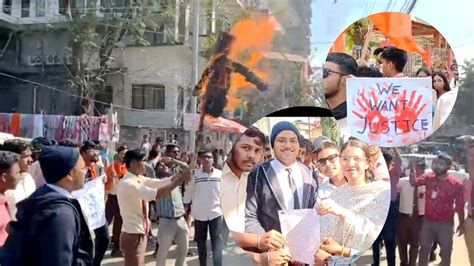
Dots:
pixel 216 78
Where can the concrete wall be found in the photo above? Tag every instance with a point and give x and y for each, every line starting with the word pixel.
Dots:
pixel 169 66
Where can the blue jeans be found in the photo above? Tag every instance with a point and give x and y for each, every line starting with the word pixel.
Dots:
pixel 215 231
pixel 387 235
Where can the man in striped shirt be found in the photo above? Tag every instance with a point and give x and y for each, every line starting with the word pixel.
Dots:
pixel 172 225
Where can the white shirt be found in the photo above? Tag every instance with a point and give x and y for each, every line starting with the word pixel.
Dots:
pixel 131 190
pixel 233 198
pixel 23 190
pixel 282 175
pixel 37 174
pixel 326 188
pixel 204 193
pixel 406 197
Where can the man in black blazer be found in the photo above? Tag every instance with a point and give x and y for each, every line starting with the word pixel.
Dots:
pixel 279 184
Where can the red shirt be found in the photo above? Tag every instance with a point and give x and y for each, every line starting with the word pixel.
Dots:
pixel 441 196
pixel 4 219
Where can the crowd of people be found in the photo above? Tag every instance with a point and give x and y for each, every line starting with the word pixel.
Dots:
pixel 348 185
pixel 390 63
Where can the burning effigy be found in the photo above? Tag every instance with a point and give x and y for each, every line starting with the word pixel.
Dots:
pixel 216 79
pixel 236 65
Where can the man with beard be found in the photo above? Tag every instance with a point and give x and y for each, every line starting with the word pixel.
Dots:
pixel 338 67
pixel 245 154
pixel 444 196
pixel 172 225
pixel 90 153
pixel 279 184
pixel 27 185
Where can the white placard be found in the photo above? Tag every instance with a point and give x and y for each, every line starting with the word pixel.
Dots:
pixel 390 112
pixel 92 201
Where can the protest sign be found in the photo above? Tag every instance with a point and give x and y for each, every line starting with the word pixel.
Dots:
pixel 390 112
pixel 92 201
pixel 301 231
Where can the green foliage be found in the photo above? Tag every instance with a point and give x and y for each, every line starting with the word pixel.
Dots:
pixel 356 32
pixel 463 106
pixel 300 90
pixel 95 38
pixel 331 129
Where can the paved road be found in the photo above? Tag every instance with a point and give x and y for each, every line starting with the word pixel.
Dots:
pixel 232 255
pixel 459 255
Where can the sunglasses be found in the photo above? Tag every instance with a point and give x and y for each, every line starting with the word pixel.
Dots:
pixel 330 158
pixel 327 71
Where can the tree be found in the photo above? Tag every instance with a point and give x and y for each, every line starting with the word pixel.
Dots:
pixel 99 32
pixel 463 107
pixel 356 33
pixel 331 129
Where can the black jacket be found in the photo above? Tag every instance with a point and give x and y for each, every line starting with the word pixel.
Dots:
pixel 51 230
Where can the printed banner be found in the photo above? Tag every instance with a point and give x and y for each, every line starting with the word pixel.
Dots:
pixel 390 112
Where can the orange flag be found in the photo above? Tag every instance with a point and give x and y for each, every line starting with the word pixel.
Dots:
pixel 397 28
pixel 339 45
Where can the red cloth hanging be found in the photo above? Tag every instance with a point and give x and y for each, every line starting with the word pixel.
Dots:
pixel 15 125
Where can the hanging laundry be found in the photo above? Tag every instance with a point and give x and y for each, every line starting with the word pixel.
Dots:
pixel 5 122
pixel 38 126
pixel 104 132
pixel 26 126
pixel 59 132
pixel 15 125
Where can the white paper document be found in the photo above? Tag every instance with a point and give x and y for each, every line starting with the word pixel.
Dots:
pixel 92 201
pixel 301 231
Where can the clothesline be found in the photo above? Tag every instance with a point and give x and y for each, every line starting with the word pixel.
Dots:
pixel 58 127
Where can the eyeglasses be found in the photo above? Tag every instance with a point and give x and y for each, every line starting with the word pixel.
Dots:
pixel 347 160
pixel 331 158
pixel 327 71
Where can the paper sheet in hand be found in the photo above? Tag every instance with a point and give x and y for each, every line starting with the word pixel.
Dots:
pixel 301 231
pixel 92 201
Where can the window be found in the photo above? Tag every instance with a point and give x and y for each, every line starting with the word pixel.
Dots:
pixel 25 8
pixel 40 8
pixel 148 97
pixel 63 7
pixel 7 7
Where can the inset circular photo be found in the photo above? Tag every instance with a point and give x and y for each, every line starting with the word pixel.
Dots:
pixel 391 79
pixel 293 190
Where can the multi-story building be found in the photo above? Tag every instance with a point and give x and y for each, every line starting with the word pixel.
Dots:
pixel 33 48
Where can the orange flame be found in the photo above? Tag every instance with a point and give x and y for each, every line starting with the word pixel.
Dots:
pixel 253 37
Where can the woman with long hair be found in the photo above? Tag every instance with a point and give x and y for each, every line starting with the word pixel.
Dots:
pixel 440 83
pixel 354 214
